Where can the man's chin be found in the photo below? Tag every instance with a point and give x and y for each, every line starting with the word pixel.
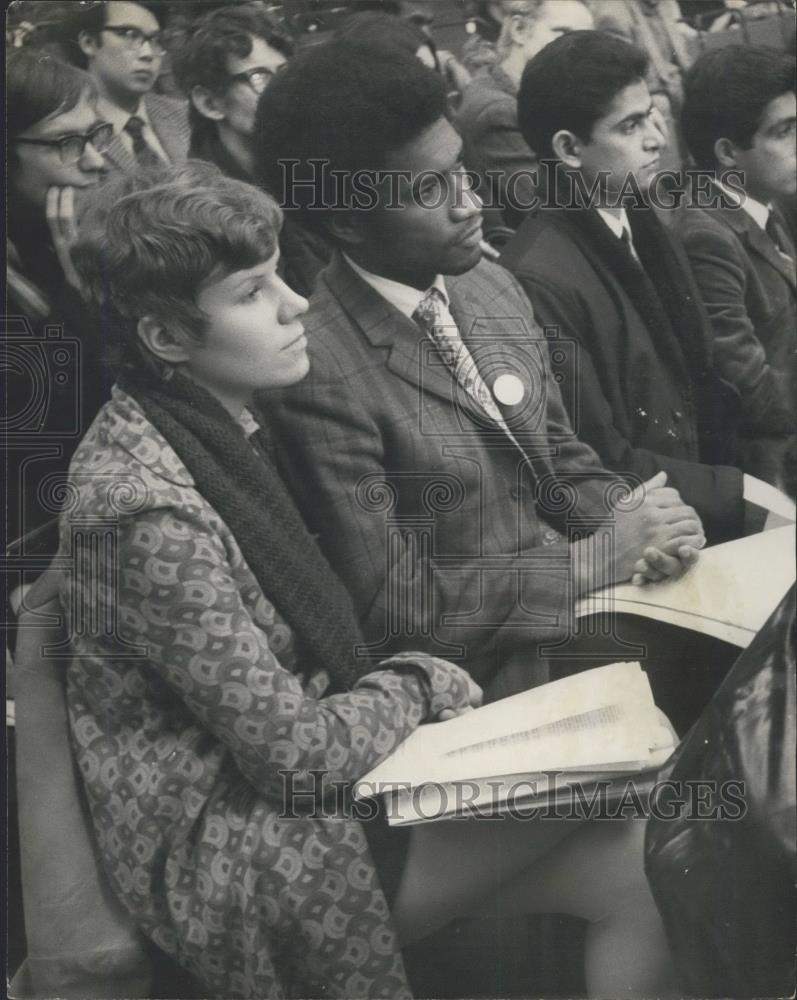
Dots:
pixel 462 261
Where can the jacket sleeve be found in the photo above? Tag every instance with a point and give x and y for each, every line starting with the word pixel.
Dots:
pixel 178 598
pixel 714 491
pixel 719 268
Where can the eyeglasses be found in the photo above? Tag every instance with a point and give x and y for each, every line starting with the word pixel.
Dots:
pixel 133 38
pixel 72 147
pixel 257 78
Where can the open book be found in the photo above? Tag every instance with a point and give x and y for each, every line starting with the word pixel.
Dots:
pixel 728 594
pixel 530 747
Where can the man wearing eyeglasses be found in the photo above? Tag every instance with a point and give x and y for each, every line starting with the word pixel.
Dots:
pixel 121 46
pixel 223 62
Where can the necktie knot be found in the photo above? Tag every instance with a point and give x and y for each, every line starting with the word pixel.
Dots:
pixel 143 152
pixel 427 312
pixel 134 126
pixel 451 348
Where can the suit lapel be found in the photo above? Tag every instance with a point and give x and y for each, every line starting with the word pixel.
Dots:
pixel 412 355
pixel 167 118
pixel 624 279
pixel 756 240
pixel 118 155
pixel 760 243
pixel 414 359
pixel 503 345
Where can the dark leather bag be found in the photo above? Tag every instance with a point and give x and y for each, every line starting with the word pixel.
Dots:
pixel 725 887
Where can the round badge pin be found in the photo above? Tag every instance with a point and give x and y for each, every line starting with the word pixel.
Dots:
pixel 508 389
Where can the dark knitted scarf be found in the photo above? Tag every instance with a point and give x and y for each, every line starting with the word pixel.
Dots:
pixel 664 294
pixel 238 478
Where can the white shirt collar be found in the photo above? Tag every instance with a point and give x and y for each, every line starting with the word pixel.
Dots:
pixel 248 422
pixel 404 297
pixel 615 223
pixel 757 210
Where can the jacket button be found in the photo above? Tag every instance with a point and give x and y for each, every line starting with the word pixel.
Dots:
pixel 677 415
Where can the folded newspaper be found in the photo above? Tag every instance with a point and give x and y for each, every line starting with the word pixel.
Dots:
pixel 598 725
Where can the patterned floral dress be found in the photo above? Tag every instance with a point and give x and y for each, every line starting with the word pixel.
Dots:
pixel 186 702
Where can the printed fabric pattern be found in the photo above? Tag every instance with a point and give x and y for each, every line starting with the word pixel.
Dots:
pixel 183 711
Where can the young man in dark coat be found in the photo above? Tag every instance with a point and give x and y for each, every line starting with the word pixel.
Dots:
pixel 613 280
pixel 429 447
pixel 739 121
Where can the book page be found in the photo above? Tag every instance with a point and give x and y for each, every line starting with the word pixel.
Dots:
pixel 599 717
pixel 596 718
pixel 729 594
pixel 492 796
pixel 767 496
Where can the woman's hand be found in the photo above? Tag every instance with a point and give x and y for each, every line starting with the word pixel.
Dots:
pixel 60 214
pixel 475 696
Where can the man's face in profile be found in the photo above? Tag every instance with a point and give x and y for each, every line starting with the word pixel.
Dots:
pixel 625 142
pixel 436 227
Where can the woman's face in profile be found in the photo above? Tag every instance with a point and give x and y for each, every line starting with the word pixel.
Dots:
pixel 41 165
pixel 254 338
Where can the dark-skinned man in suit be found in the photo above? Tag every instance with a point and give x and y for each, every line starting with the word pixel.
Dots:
pixel 429 447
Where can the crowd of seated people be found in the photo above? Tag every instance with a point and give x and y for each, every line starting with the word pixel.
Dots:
pixel 381 343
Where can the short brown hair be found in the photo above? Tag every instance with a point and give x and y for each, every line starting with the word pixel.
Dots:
pixel 152 239
pixel 39 85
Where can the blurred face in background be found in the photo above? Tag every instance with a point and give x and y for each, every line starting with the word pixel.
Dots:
pixel 36 167
pixel 554 18
pixel 125 58
pixel 249 77
pixel 233 105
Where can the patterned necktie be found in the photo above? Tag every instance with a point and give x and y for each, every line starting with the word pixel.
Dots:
pixel 452 350
pixel 778 236
pixel 143 152
pixel 457 357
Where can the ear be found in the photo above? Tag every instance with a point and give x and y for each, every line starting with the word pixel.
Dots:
pixel 346 228
pixel 207 103
pixel 567 148
pixel 161 341
pixel 517 26
pixel 88 44
pixel 725 153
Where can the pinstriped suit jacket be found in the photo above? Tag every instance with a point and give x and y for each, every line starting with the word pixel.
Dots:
pixel 425 508
pixel 169 119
